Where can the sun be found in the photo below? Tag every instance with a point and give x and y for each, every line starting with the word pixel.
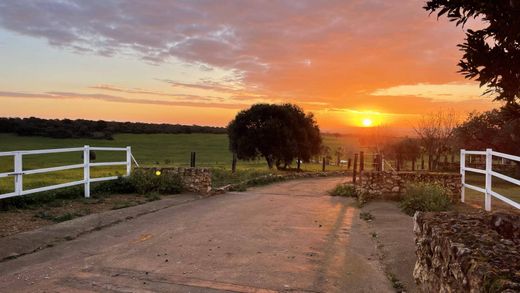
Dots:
pixel 367 122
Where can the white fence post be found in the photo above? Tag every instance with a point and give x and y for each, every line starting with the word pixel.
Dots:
pixel 18 177
pixel 489 167
pixel 86 170
pixel 462 174
pixel 128 160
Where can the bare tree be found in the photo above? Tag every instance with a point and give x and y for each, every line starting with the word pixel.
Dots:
pixel 435 132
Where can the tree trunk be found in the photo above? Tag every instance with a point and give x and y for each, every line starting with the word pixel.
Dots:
pixel 269 162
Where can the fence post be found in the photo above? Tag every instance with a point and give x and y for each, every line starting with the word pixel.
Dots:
pixel 489 167
pixel 349 163
pixel 86 170
pixel 361 161
pixel 18 177
pixel 323 165
pixel 234 163
pixel 192 159
pixel 128 160
pixel 354 173
pixel 382 161
pixel 462 173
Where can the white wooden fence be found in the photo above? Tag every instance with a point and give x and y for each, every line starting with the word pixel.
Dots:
pixel 19 172
pixel 489 173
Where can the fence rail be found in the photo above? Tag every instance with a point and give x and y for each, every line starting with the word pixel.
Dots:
pixel 488 171
pixel 19 172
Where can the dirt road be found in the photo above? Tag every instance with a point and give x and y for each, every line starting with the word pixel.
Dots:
pixel 289 236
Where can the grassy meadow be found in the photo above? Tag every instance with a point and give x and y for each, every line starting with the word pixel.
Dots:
pixel 161 150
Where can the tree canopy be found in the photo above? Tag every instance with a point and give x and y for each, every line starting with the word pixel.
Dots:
pixel 496 129
pixel 492 53
pixel 279 133
pixel 81 128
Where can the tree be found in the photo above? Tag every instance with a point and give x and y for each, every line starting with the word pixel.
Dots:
pixel 279 133
pixel 497 129
pixel 435 132
pixel 339 152
pixel 406 149
pixel 491 54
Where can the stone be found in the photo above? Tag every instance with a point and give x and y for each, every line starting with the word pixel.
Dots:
pixel 466 252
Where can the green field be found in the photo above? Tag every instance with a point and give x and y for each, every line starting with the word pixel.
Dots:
pixel 160 150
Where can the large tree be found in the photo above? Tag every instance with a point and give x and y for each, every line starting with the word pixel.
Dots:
pixel 279 133
pixel 498 129
pixel 491 53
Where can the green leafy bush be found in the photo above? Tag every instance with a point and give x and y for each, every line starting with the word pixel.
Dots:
pixel 146 181
pixel 122 185
pixel 344 190
pixel 425 197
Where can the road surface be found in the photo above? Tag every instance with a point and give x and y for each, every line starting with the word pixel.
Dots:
pixel 285 237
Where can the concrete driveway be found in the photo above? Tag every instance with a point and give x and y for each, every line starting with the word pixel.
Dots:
pixel 289 236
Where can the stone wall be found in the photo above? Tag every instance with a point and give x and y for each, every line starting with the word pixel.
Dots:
pixel 391 185
pixel 476 252
pixel 270 178
pixel 193 179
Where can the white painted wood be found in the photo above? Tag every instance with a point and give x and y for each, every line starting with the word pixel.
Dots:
pixel 489 173
pixel 506 156
pixel 86 170
pixel 128 160
pixel 479 189
pixel 462 174
pixel 506 178
pixel 107 149
pixel 475 152
pixel 480 171
pixel 103 178
pixel 56 186
pixel 489 167
pixel 107 164
pixel 18 173
pixel 52 169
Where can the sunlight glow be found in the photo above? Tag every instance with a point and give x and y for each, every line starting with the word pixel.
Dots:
pixel 367 122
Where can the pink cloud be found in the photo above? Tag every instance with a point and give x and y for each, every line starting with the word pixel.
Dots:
pixel 309 51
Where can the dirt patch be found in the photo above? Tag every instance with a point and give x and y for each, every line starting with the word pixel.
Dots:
pixel 21 220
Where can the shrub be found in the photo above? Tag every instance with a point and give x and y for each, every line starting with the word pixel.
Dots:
pixel 146 181
pixel 121 185
pixel 343 190
pixel 425 197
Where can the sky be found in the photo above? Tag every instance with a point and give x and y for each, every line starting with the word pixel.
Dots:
pixel 200 62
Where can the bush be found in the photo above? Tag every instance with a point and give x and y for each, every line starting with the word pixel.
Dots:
pixel 343 190
pixel 146 181
pixel 141 181
pixel 425 197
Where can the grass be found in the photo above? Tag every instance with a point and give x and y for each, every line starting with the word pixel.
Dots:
pixel 159 150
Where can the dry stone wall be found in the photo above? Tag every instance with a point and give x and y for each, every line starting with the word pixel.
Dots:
pixel 476 252
pixel 193 179
pixel 391 185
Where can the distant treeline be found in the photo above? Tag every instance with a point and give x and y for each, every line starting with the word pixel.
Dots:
pixel 80 128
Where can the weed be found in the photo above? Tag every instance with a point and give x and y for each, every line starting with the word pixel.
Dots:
pixel 366 216
pixel 57 218
pixel 425 197
pixel 152 196
pixel 343 190
pixel 398 286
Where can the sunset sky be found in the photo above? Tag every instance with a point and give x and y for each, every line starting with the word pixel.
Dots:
pixel 199 62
